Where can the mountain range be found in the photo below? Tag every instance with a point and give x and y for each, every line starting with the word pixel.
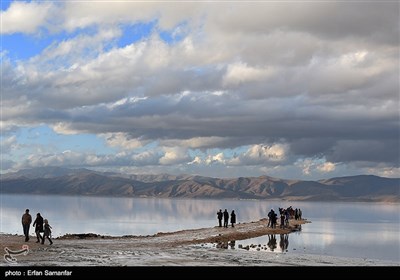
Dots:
pixel 65 181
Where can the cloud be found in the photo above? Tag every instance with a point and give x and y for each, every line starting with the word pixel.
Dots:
pixel 284 87
pixel 9 144
pixel 330 20
pixel 63 128
pixel 365 150
pixel 146 158
pixel 326 167
pixel 25 17
pixel 215 159
pixel 78 159
pixel 96 13
pixel 174 155
pixel 261 155
pixel 240 73
pixel 121 140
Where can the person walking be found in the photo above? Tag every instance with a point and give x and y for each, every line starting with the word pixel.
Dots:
pixel 233 218
pixel 26 223
pixel 226 218
pixel 47 231
pixel 38 224
pixel 219 216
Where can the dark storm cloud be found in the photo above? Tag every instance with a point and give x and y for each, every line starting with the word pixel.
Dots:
pixel 366 150
pixel 309 132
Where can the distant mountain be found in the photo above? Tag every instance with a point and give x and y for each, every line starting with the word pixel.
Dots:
pixel 45 172
pixel 64 181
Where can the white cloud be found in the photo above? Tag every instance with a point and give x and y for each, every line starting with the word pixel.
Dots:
pixel 85 14
pixel 326 167
pixel 64 128
pixel 238 73
pixel 122 140
pixel 9 144
pixel 73 52
pixel 174 155
pixel 67 158
pixel 347 72
pixel 196 160
pixel 306 166
pixel 145 158
pixel 212 159
pixel 262 154
pixel 25 17
pixel 382 170
pixel 168 15
pixel 313 166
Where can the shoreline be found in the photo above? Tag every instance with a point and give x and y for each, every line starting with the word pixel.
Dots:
pixel 241 231
pixel 180 248
pixel 182 237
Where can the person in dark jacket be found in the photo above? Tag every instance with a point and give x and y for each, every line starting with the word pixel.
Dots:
pixel 38 225
pixel 226 218
pixel 219 216
pixel 47 231
pixel 26 223
pixel 233 218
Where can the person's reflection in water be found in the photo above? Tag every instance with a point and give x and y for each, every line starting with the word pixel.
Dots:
pixel 232 244
pixel 222 244
pixel 284 242
pixel 271 242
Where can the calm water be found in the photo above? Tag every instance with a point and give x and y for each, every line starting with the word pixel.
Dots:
pixel 367 230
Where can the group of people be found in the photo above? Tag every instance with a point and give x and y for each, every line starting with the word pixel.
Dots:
pixel 40 225
pixel 285 215
pixel 225 216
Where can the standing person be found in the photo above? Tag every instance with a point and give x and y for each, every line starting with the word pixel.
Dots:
pixel 219 216
pixel 233 218
pixel 283 219
pixel 226 218
pixel 47 231
pixel 26 223
pixel 38 224
pixel 273 219
pixel 270 213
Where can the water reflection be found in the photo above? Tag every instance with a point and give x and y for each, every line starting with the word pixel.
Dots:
pixel 226 244
pixel 123 216
pixel 271 242
pixel 344 229
pixel 271 245
pixel 284 242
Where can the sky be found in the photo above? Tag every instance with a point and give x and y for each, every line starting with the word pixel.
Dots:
pixel 290 89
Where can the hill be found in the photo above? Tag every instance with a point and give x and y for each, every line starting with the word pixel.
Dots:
pixel 64 181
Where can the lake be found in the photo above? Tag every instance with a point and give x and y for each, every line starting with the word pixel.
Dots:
pixel 350 229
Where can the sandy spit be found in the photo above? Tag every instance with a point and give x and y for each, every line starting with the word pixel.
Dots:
pixel 181 248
